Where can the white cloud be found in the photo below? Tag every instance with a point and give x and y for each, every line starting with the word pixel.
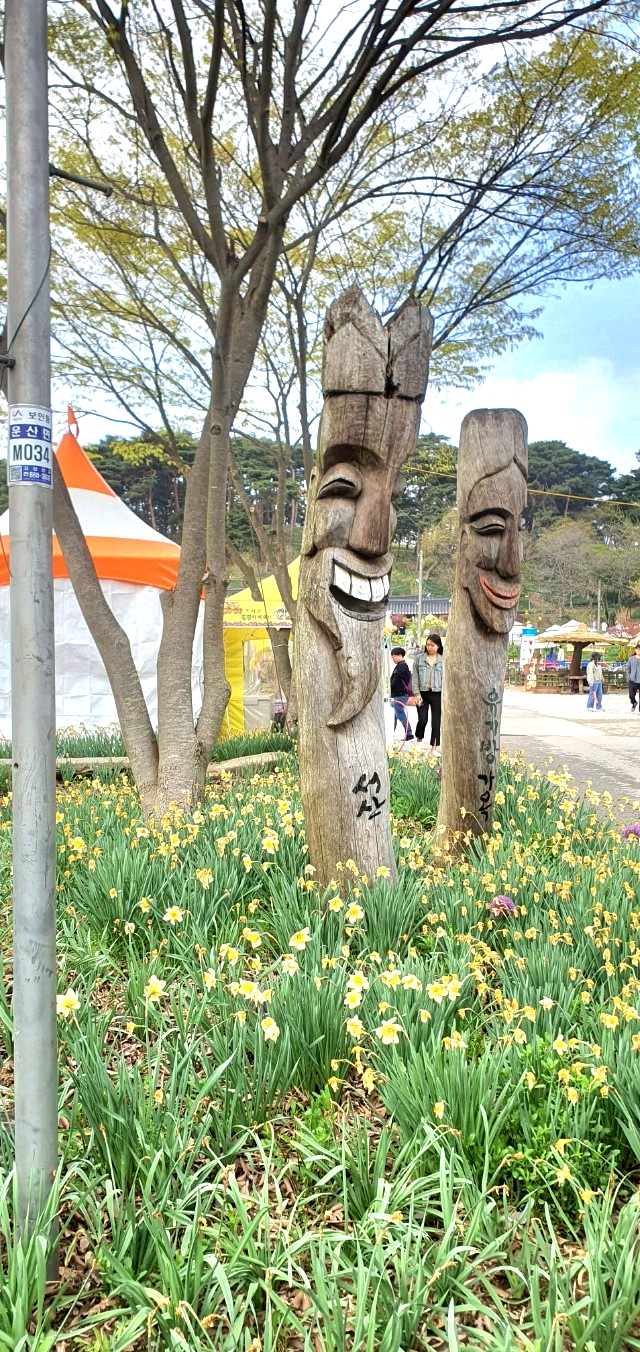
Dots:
pixel 591 408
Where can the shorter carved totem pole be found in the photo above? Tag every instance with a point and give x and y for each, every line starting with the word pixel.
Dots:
pixel 492 495
pixel 373 381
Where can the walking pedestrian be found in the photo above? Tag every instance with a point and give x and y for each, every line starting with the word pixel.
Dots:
pixel 633 678
pixel 401 690
pixel 427 678
pixel 594 682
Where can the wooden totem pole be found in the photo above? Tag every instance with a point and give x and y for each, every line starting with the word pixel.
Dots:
pixel 373 381
pixel 492 495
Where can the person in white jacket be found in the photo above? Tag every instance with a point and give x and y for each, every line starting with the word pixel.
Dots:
pixel 594 682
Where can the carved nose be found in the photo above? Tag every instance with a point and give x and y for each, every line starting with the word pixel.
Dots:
pixel 371 529
pixel 509 557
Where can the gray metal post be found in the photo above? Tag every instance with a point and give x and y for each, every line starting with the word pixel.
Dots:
pixel 32 635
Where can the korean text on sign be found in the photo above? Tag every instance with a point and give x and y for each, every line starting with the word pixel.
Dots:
pixel 30 459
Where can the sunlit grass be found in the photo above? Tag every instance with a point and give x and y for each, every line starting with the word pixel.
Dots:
pixel 361 1117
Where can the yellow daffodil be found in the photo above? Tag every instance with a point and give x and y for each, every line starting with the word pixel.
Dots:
pixel 251 937
pixel 270 1029
pixel 205 877
pixel 300 939
pixel 389 1032
pixel 352 999
pixel 454 1043
pixel 154 989
pixel 353 913
pixel 358 982
pixel 173 914
pixel 67 1004
pixel 355 1027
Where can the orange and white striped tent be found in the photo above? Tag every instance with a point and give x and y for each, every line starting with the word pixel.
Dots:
pixel 123 547
pixel 134 563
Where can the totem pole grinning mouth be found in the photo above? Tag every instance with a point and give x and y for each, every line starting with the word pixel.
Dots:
pixel 365 596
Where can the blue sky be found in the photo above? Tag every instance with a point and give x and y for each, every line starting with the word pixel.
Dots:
pixel 579 382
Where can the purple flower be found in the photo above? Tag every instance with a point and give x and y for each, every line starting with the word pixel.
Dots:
pixel 631 832
pixel 502 906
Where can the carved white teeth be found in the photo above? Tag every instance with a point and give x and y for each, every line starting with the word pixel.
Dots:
pixel 379 587
pixel 361 588
pixel 342 578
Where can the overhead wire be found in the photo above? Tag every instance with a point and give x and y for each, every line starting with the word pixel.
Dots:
pixel 539 492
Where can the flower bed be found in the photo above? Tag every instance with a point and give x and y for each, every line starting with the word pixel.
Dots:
pixel 373 1117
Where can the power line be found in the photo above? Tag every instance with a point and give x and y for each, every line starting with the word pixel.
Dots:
pixel 540 492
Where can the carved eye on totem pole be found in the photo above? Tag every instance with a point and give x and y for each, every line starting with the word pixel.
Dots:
pixel 373 383
pixel 491 513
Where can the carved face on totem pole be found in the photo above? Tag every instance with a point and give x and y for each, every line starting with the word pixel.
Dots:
pixel 373 382
pixel 492 496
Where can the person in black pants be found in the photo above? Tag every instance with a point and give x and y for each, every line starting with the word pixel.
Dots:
pixel 427 678
pixel 400 691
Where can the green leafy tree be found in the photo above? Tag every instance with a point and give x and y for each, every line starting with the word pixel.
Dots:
pixel 148 475
pixel 429 487
pixel 570 481
pixel 628 490
pixel 216 125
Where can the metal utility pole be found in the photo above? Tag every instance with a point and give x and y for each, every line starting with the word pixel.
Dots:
pixel 29 472
pixel 420 572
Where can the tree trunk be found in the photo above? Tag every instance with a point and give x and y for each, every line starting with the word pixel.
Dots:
pixel 373 382
pixel 181 773
pixel 279 639
pixel 575 668
pixel 111 641
pixel 492 465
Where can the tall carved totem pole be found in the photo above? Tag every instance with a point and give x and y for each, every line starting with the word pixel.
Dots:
pixel 492 495
pixel 373 380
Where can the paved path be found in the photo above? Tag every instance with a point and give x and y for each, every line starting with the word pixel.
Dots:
pixel 602 749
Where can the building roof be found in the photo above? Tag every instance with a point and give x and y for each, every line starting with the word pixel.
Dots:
pixel 408 605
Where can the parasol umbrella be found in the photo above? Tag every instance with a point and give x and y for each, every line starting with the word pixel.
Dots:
pixel 579 636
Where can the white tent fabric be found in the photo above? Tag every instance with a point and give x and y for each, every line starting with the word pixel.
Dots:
pixel 83 693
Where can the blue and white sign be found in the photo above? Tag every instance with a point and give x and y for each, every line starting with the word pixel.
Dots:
pixel 30 459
